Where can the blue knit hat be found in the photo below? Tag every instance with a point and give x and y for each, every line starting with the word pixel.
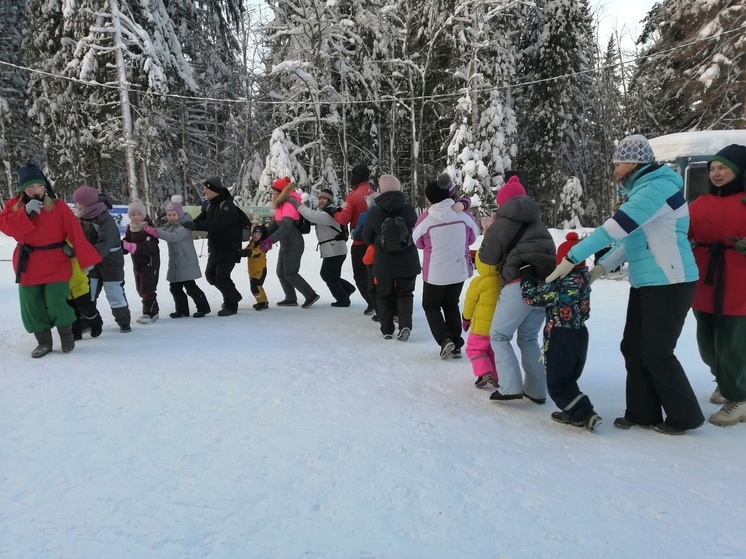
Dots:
pixel 633 149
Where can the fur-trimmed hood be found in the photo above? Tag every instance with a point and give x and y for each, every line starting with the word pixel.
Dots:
pixel 285 195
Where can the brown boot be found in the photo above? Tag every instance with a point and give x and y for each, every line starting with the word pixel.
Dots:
pixel 45 344
pixel 66 337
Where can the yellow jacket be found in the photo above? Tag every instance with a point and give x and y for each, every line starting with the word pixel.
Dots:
pixel 257 260
pixel 481 298
pixel 78 281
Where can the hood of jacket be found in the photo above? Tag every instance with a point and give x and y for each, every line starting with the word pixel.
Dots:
pixel 484 269
pixel 393 200
pixel 520 208
pixel 443 211
pixel 284 196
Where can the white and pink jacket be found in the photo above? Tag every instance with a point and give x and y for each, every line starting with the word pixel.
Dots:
pixel 444 235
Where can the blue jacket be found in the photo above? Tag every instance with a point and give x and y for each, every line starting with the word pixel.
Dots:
pixel 649 231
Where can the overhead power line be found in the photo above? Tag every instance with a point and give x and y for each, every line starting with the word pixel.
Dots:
pixel 383 99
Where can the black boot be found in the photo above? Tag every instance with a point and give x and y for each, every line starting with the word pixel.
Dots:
pixel 97 326
pixel 45 344
pixel 66 338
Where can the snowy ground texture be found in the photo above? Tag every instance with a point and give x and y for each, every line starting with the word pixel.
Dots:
pixel 302 433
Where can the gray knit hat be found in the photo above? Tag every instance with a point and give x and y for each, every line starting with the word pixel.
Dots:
pixel 633 149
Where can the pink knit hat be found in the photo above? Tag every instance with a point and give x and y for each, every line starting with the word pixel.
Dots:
pixel 85 196
pixel 509 190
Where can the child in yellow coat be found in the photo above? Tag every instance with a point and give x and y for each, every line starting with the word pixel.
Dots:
pixel 80 300
pixel 257 266
pixel 479 306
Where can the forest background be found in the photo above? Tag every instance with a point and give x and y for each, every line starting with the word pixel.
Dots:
pixel 147 98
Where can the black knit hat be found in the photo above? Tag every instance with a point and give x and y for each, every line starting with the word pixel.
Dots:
pixel 262 230
pixel 215 184
pixel 30 174
pixel 435 193
pixel 360 173
pixel 733 157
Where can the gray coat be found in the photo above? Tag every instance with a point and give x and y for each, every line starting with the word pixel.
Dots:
pixel 183 264
pixel 326 230
pixel 535 246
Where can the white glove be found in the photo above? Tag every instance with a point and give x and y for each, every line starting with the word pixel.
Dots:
pixel 562 269
pixel 596 272
pixel 33 206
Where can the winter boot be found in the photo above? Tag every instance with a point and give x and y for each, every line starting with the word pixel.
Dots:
pixel 446 349
pixel 731 413
pixel 66 338
pixel 77 329
pixel 123 318
pixel 44 340
pixel 97 326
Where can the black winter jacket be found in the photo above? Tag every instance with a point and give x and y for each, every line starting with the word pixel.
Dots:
pixel 404 264
pixel 219 218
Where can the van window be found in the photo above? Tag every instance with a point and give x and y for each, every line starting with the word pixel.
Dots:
pixel 697 180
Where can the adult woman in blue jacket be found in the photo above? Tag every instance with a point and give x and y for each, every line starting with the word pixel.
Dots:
pixel 649 231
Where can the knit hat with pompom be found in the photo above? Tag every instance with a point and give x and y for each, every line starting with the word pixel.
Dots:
pixel 175 205
pixel 571 239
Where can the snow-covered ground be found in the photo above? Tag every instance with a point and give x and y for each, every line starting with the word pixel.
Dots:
pixel 302 433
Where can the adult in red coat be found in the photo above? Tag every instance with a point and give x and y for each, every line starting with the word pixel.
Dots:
pixel 355 204
pixel 42 225
pixel 717 222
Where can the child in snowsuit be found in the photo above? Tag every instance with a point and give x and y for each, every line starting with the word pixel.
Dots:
pixel 146 260
pixel 479 307
pixel 102 232
pixel 79 299
pixel 567 302
pixel 257 266
pixel 183 264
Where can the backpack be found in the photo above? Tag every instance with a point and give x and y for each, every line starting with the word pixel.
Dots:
pixel 244 222
pixel 303 225
pixel 395 235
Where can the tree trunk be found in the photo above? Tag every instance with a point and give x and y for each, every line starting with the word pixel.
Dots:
pixel 129 141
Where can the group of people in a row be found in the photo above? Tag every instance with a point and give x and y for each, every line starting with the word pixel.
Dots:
pixel 679 257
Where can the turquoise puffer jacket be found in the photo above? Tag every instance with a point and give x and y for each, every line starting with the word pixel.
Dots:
pixel 649 231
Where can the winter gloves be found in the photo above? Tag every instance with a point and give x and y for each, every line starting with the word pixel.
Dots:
pixel 129 247
pixel 33 206
pixel 266 245
pixel 740 244
pixel 528 273
pixel 465 323
pixel 150 230
pixel 597 271
pixel 562 269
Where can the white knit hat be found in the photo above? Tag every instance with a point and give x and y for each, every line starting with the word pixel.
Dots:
pixel 633 149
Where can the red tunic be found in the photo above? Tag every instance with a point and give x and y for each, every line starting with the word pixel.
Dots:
pixel 715 219
pixel 47 228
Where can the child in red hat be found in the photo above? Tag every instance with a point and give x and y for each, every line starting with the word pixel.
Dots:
pixel 567 303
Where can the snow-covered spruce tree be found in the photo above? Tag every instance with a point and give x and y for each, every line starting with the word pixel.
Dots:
pixel 482 142
pixel 282 161
pixel 302 45
pixel 611 108
pixel 570 208
pixel 17 143
pixel 694 73
pixel 553 113
pixel 130 46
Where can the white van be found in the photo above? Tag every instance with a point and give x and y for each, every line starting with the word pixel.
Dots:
pixel 687 153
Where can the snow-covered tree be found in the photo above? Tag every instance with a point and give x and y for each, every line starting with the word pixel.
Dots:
pixel 554 107
pixel 693 76
pixel 570 206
